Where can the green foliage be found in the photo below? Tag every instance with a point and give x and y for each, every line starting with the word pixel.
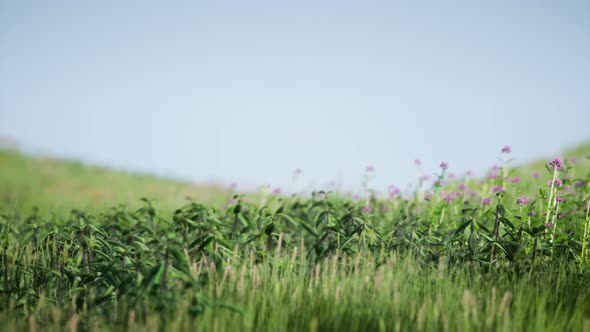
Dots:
pixel 426 261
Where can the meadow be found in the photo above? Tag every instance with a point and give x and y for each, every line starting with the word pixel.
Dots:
pixel 88 249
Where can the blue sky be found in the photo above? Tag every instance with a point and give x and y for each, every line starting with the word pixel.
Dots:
pixel 248 91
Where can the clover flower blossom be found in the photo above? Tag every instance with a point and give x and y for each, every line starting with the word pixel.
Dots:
pixel 486 201
pixel 556 164
pixel 506 149
pixel 444 165
pixel 496 189
pixel 522 200
pixel 556 183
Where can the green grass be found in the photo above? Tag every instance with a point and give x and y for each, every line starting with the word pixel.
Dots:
pixel 426 262
pixel 59 186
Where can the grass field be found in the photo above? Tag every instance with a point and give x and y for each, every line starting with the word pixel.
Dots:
pixel 508 252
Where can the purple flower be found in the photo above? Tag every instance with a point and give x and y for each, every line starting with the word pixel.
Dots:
pixel 561 216
pixel 469 173
pixel 559 199
pixel 536 175
pixel 495 167
pixel 506 149
pixel 522 200
pixel 556 164
pixel 393 191
pixel 556 183
pixel 452 175
pixel 531 213
pixel 424 178
pixel 496 189
pixel 573 160
pixel 298 171
pixel 449 197
pixel 232 201
pixel 515 179
pixel 356 197
pixel 276 191
pixel 234 185
pixel 549 225
pixel 370 168
pixel 417 162
pixel 486 201
pixel 444 165
pixel 580 184
pixel 493 175
pixel 463 186
pixel 367 209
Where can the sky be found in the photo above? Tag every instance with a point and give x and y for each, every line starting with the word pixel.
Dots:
pixel 248 91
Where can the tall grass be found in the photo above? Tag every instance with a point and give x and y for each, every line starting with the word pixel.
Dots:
pixel 465 255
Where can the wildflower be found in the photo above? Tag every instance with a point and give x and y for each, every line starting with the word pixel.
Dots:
pixel 573 160
pixel 463 186
pixel 276 191
pixel 549 225
pixel 424 178
pixel 556 164
pixel 580 184
pixel 393 191
pixel 522 200
pixel 449 197
pixel 497 189
pixel 234 185
pixel 356 197
pixel 515 179
pixel 367 209
pixel 452 175
pixel 469 173
pixel 370 169
pixel 495 167
pixel 559 199
pixel 444 165
pixel 556 183
pixel 493 175
pixel 486 201
pixel 536 175
pixel 561 216
pixel 506 149
pixel 531 213
pixel 417 162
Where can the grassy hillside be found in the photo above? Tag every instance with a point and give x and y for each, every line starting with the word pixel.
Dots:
pixel 56 185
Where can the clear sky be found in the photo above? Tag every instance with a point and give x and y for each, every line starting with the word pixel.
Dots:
pixel 248 91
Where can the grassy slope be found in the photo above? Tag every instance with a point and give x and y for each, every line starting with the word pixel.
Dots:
pixel 57 185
